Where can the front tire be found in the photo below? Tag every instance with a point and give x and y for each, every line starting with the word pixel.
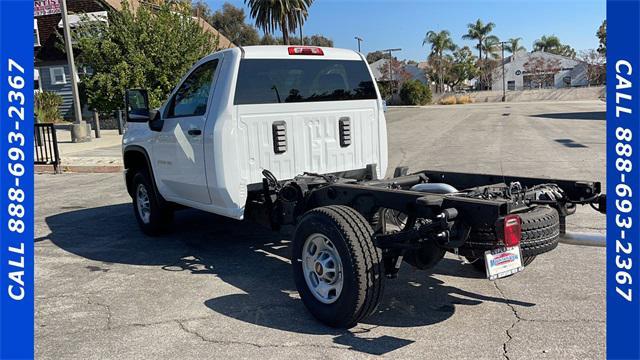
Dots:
pixel 153 218
pixel 336 267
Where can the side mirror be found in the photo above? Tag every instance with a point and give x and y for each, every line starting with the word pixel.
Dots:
pixel 137 105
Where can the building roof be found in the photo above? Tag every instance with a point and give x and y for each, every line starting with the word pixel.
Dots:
pixel 416 72
pixel 524 53
pixel 376 68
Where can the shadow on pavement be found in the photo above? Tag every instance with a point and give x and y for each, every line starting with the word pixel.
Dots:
pixel 587 115
pixel 570 143
pixel 255 260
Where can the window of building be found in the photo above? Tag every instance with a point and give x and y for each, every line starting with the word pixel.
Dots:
pixel 192 96
pixel 58 76
pixel 36 80
pixel 511 85
pixel 36 35
pixel 566 81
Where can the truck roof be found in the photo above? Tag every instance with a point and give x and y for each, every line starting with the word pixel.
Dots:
pixel 282 52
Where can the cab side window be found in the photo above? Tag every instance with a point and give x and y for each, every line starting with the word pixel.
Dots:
pixel 192 97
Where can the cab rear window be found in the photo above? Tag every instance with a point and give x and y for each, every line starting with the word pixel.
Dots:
pixel 269 81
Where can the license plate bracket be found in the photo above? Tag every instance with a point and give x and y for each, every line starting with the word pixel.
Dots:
pixel 503 262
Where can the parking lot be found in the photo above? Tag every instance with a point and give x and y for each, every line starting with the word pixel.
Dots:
pixel 216 288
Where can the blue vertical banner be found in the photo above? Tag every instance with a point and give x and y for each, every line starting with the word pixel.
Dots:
pixel 623 182
pixel 16 179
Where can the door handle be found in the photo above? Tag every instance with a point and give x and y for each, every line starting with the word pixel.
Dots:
pixel 194 132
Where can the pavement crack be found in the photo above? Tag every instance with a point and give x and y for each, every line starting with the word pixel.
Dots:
pixel 195 333
pixel 513 325
pixel 106 308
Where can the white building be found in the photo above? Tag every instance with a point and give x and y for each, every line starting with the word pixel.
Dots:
pixel 551 71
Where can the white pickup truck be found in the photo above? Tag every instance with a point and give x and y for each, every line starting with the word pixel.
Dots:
pixel 296 135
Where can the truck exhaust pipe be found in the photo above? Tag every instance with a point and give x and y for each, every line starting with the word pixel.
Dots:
pixel 583 239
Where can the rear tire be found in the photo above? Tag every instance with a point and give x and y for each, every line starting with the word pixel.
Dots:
pixel 332 249
pixel 540 234
pixel 153 218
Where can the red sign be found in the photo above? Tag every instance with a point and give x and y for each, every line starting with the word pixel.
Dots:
pixel 46 7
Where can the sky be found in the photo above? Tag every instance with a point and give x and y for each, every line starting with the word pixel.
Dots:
pixel 403 24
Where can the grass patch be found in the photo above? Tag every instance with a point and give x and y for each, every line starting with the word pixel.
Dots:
pixel 453 100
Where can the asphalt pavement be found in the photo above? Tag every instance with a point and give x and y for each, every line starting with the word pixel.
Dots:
pixel 217 288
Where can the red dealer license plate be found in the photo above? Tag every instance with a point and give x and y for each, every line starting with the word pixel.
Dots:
pixel 503 262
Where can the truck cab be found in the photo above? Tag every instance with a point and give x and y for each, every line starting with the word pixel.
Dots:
pixel 242 110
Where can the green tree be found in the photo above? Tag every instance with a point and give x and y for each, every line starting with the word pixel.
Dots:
pixel 547 43
pixel 314 40
pixel 513 45
pixel 413 92
pixel 463 66
pixel 602 38
pixel 318 40
pixel 230 21
pixel 478 31
pixel 553 45
pixel 149 49
pixel 440 43
pixel 491 47
pixel 268 39
pixel 201 9
pixel 285 15
pixel 376 55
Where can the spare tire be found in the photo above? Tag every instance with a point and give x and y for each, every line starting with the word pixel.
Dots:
pixel 540 234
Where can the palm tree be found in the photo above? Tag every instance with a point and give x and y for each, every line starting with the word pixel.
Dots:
pixel 547 43
pixel 513 45
pixel 491 47
pixel 478 31
pixel 283 14
pixel 440 42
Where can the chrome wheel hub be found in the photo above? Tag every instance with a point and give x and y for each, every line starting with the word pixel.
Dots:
pixel 322 268
pixel 143 203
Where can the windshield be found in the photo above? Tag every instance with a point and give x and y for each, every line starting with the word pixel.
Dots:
pixel 268 81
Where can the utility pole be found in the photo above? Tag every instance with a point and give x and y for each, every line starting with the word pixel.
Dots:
pixel 359 40
pixel 79 132
pixel 504 90
pixel 390 69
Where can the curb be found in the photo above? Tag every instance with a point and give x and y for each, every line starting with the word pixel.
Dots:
pixel 91 169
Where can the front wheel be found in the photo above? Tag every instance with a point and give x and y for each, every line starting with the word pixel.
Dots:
pixel 153 218
pixel 337 270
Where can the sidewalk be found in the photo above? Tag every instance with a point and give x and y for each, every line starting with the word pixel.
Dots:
pixel 96 156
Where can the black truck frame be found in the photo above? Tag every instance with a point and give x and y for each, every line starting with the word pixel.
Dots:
pixel 353 231
pixel 430 218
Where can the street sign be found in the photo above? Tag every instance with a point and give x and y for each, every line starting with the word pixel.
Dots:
pixel 46 7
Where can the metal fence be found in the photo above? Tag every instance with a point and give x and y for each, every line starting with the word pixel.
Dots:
pixel 46 146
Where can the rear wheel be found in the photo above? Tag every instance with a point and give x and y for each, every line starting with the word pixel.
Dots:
pixel 337 270
pixel 153 218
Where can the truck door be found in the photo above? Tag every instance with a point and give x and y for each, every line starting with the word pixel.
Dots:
pixel 179 148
